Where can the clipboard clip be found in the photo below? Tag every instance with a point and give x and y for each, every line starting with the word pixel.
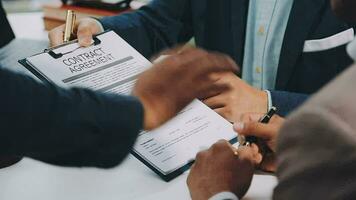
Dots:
pixel 59 55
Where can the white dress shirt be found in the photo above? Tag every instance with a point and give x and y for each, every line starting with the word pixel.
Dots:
pixel 224 196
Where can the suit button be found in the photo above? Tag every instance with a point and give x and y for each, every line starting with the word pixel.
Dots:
pixel 261 30
pixel 258 70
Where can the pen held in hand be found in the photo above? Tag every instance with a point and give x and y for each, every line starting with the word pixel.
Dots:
pixel 69 26
pixel 248 140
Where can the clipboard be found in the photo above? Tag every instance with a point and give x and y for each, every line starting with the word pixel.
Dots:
pixel 174 174
pixel 165 175
pixel 50 51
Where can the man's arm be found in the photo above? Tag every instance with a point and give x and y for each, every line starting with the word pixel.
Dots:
pixel 286 102
pixel 77 127
pixel 49 123
pixel 157 26
pixel 316 153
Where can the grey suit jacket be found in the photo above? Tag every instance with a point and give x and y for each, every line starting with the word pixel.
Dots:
pixel 317 145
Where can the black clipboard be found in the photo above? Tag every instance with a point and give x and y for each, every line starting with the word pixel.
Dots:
pixel 174 174
pixel 166 177
pixel 54 55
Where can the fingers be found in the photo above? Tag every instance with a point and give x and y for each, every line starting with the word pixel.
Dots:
pixel 55 36
pixel 84 36
pixel 219 86
pixel 206 63
pixel 221 63
pixel 256 155
pixel 263 131
pixel 214 102
pixel 248 154
pixel 223 112
pixel 85 29
pixel 251 117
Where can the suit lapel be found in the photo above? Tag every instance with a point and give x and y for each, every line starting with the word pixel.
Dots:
pixel 300 22
pixel 239 9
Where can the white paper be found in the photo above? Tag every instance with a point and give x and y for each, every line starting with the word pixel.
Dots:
pixel 113 66
pixel 177 142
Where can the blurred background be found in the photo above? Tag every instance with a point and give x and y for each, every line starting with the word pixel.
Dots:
pixel 15 6
pixel 33 18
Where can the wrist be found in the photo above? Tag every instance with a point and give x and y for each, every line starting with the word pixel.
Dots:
pixel 150 120
pixel 262 102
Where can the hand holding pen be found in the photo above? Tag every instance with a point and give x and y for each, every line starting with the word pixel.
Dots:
pixel 261 134
pixel 248 140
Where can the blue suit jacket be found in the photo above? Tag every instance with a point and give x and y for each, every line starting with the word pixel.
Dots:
pixel 219 25
pixel 74 127
pixel 65 127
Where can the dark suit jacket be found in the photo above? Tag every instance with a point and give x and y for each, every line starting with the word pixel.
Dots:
pixel 65 127
pixel 220 26
pixel 6 33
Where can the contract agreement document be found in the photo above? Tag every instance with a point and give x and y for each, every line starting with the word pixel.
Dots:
pixel 111 65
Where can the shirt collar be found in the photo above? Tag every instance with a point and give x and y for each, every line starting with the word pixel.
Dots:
pixel 351 49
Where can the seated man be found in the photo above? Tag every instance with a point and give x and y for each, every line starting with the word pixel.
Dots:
pixel 316 146
pixel 291 48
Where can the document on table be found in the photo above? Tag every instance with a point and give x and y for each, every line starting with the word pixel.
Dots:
pixel 112 65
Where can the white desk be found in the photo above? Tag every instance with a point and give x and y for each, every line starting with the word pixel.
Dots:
pixel 132 180
pixel 28 25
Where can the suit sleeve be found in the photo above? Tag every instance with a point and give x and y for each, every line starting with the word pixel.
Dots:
pixel 316 154
pixel 66 127
pixel 155 27
pixel 286 102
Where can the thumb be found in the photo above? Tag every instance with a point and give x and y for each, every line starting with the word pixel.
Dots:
pixel 55 36
pixel 86 29
pixel 263 131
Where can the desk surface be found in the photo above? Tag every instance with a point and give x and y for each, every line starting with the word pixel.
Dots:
pixel 132 180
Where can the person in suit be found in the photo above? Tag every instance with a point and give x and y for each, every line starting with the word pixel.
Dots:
pixel 78 127
pixel 316 151
pixel 316 145
pixel 287 49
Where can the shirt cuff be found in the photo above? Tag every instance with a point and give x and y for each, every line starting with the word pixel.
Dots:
pixel 269 100
pixel 224 196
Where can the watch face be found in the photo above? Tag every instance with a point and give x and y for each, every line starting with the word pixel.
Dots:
pixel 6 161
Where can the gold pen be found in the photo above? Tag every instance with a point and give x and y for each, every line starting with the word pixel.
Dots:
pixel 69 26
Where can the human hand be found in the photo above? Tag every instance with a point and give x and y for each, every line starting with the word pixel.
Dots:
pixel 219 169
pixel 84 30
pixel 238 99
pixel 171 84
pixel 267 137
